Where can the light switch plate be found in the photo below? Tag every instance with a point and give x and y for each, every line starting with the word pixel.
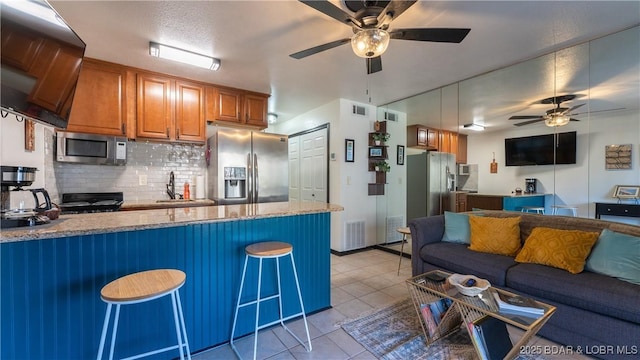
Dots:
pixel 142 180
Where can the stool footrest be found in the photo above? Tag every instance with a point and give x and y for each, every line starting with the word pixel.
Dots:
pixel 279 321
pixel 153 352
pixel 258 300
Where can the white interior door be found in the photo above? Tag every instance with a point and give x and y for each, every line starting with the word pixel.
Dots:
pixel 308 167
pixel 294 168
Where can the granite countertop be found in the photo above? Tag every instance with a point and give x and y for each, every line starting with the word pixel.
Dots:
pixel 164 204
pixel 107 222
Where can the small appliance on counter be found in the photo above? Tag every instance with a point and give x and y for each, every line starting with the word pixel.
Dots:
pixel 17 177
pixel 80 203
pixel 530 186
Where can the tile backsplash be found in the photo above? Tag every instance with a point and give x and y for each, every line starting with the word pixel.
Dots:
pixel 153 160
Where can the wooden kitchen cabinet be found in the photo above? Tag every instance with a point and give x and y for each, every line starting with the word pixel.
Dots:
pixel 461 155
pixel 100 103
pixel 458 202
pixel 19 46
pixel 56 75
pixel 237 107
pixel 422 137
pixel 169 108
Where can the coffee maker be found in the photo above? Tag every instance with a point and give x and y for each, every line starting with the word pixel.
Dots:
pixel 13 179
pixel 530 186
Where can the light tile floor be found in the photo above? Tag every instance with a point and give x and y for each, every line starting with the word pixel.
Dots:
pixel 360 282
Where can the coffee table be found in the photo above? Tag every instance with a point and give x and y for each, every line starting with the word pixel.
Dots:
pixel 467 309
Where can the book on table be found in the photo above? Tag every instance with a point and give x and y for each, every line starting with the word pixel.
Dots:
pixel 491 338
pixel 518 305
pixel 434 312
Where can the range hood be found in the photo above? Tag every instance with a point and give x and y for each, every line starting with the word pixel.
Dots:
pixel 41 59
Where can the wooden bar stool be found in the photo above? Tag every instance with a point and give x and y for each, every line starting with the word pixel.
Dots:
pixel 404 231
pixel 557 208
pixel 142 287
pixel 533 209
pixel 269 250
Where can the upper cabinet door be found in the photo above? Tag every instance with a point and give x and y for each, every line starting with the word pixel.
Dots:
pixel 154 107
pixel 228 105
pixel 99 106
pixel 57 77
pixel 255 107
pixel 190 111
pixel 19 48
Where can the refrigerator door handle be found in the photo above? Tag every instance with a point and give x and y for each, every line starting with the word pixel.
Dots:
pixel 255 180
pixel 249 179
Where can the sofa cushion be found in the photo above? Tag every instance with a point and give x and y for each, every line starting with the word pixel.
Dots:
pixel 459 259
pixel 456 228
pixel 589 291
pixel 495 235
pixel 564 249
pixel 616 255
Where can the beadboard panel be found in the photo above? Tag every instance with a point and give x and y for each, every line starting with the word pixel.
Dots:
pixel 50 299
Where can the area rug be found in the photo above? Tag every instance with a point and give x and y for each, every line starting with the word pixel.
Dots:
pixel 395 333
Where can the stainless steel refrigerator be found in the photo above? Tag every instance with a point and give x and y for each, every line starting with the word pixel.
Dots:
pixel 430 180
pixel 247 167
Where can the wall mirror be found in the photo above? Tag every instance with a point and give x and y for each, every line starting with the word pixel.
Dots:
pixel 604 76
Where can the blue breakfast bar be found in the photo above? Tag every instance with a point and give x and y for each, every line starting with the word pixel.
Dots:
pixel 50 306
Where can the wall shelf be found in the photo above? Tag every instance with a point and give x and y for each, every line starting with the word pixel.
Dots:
pixel 378 152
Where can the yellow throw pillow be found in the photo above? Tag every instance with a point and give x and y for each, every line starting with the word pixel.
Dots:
pixel 495 235
pixel 564 249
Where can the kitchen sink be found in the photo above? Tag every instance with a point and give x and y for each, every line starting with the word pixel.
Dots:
pixel 173 200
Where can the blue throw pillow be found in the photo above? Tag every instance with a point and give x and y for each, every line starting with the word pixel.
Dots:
pixel 616 254
pixel 456 227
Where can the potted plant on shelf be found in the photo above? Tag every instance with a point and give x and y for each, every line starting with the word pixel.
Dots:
pixel 380 138
pixel 382 166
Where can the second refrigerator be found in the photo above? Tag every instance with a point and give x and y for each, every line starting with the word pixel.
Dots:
pixel 430 181
pixel 247 167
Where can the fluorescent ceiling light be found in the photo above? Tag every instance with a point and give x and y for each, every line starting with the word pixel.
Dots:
pixel 37 9
pixel 183 56
pixel 474 127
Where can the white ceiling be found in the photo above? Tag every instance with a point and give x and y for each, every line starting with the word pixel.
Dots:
pixel 254 39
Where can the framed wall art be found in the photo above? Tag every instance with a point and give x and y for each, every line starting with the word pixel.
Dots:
pixel 400 153
pixel 626 191
pixel 349 150
pixel 617 157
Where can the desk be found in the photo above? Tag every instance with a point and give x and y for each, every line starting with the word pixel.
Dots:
pixel 615 209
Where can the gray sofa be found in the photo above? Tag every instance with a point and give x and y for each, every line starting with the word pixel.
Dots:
pixel 593 310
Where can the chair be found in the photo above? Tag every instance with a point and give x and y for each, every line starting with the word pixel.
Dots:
pixel 142 287
pixel 533 209
pixel 262 251
pixel 555 209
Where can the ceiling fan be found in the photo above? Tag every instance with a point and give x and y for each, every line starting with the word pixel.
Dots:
pixel 370 24
pixel 558 116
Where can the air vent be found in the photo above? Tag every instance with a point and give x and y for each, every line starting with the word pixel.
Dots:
pixel 359 110
pixel 390 116
pixel 354 235
pixel 393 223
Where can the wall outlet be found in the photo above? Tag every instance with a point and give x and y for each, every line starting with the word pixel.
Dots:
pixel 142 180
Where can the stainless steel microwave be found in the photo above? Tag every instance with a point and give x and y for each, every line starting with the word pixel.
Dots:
pixel 90 148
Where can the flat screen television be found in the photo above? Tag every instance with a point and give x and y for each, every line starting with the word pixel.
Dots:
pixel 540 149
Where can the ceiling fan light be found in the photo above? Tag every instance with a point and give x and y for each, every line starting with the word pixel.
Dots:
pixel 557 120
pixel 369 43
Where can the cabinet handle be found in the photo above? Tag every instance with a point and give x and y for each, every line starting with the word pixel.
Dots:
pixel 123 130
pixel 178 133
pixel 167 133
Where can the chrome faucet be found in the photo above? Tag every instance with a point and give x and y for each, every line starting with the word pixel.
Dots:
pixel 171 186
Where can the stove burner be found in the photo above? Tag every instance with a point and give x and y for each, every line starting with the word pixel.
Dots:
pixel 76 203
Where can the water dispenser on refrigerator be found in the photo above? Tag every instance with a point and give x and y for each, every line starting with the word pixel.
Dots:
pixel 235 180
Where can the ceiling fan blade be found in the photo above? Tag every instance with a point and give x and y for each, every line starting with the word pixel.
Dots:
pixel 333 11
pixel 573 108
pixel 393 10
pixel 528 122
pixel 572 119
pixel 436 35
pixel 374 65
pixel 319 48
pixel 525 117
pixel 598 111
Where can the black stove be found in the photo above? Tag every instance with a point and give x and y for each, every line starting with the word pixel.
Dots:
pixel 79 203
